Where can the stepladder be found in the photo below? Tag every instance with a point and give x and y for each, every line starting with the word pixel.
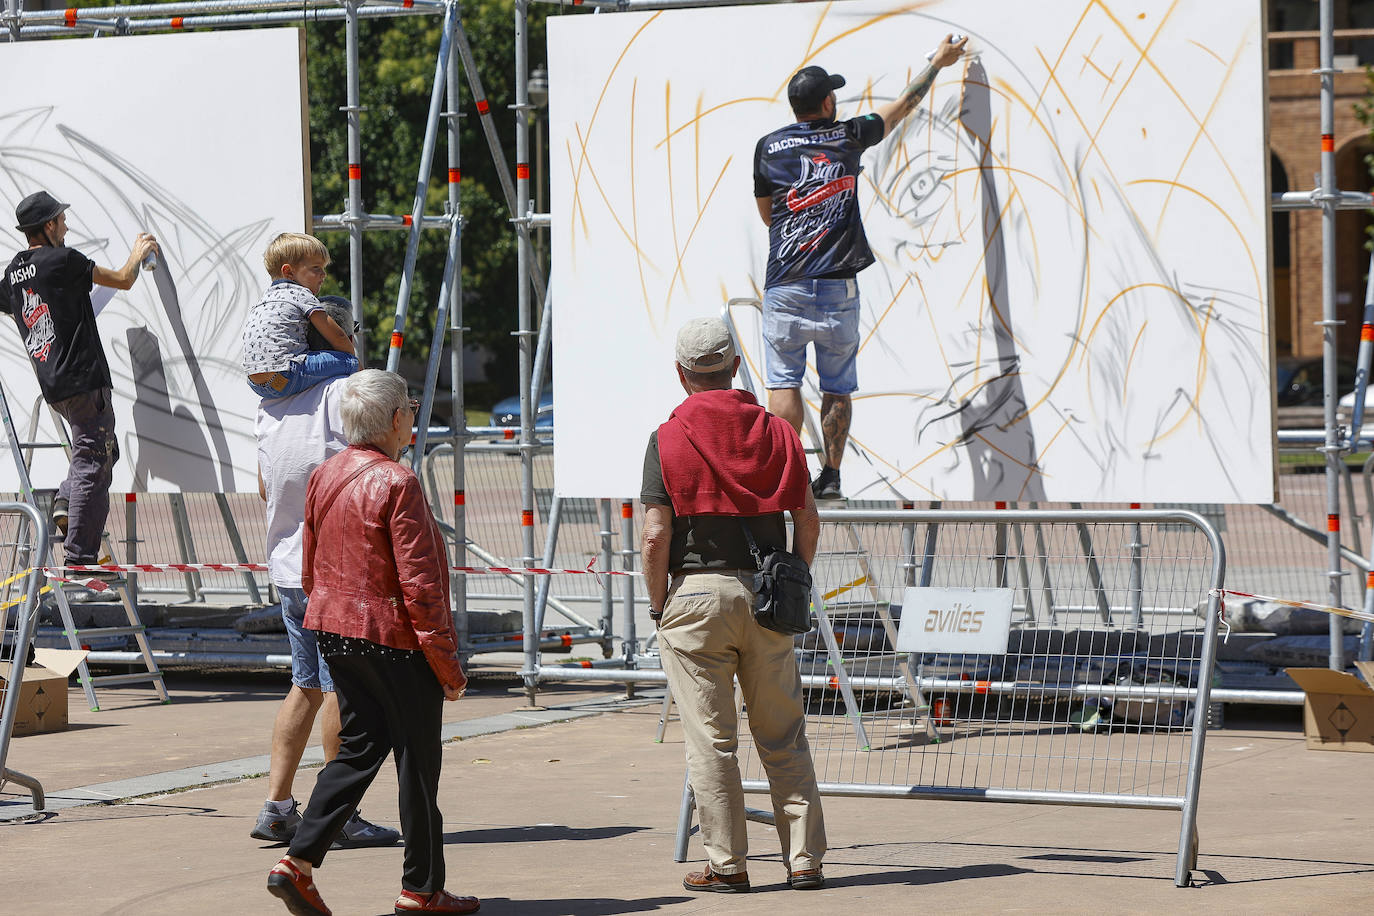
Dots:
pixel 43 556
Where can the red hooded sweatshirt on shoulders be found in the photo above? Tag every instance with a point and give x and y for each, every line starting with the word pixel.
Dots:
pixel 723 454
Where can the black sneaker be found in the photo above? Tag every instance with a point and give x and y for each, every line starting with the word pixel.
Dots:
pixel 827 484
pixel 106 576
pixel 357 833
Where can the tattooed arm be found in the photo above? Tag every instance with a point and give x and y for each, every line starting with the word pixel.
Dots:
pixel 893 112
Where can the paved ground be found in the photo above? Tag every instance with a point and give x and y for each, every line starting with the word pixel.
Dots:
pixel 577 817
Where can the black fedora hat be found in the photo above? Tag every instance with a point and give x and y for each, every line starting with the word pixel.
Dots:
pixel 36 209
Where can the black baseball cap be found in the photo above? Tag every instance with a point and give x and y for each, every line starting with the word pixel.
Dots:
pixel 809 87
pixel 36 209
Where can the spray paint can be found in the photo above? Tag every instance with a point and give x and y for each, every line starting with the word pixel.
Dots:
pixel 150 261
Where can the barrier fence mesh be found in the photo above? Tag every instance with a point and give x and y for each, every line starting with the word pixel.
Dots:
pixel 16 544
pixel 1096 607
pixel 492 507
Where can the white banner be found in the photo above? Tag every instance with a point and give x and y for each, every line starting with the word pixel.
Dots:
pixel 1071 297
pixel 198 139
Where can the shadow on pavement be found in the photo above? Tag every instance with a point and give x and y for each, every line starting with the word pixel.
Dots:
pixel 912 863
pixel 538 834
pixel 919 876
pixel 597 906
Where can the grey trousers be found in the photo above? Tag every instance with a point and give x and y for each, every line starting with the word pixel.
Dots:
pixel 709 638
pixel 87 487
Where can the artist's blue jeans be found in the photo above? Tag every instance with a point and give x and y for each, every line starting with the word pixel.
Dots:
pixel 87 487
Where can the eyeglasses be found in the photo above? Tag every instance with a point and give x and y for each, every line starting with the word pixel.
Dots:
pixel 414 405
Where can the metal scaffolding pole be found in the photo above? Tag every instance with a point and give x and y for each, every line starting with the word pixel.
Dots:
pixel 457 411
pixel 1333 447
pixel 417 210
pixel 62 16
pixel 353 218
pixel 163 23
pixel 525 335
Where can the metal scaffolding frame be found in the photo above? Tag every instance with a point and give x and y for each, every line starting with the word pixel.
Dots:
pixel 444 107
pixel 1337 440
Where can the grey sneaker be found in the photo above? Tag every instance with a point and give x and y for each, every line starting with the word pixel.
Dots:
pixel 358 833
pixel 277 828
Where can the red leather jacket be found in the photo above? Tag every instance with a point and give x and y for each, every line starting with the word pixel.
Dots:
pixel 373 560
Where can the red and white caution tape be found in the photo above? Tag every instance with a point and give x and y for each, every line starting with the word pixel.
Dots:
pixel 59 572
pixel 1325 609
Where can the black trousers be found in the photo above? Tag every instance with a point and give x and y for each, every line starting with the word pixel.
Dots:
pixel 393 706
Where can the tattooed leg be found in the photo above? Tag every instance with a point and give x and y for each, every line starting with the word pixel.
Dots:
pixel 836 409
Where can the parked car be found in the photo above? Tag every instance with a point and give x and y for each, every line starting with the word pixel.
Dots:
pixel 1298 380
pixel 507 411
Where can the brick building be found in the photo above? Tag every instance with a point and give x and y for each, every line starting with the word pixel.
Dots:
pixel 1295 154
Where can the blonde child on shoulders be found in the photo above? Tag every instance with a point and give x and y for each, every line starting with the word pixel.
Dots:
pixel 276 354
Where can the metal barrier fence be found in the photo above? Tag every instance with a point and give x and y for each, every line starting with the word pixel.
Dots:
pixel 21 530
pixel 1286 555
pixel 1100 699
pixel 575 534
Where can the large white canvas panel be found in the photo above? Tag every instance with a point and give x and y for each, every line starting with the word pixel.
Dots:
pixel 1071 296
pixel 198 139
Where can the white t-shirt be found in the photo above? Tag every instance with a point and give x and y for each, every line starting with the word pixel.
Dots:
pixel 295 435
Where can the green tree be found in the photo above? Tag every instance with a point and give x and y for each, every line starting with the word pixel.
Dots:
pixel 396 70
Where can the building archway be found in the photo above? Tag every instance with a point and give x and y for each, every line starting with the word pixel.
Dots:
pixel 1352 234
pixel 1281 255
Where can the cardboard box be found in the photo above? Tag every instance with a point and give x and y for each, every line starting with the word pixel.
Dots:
pixel 43 691
pixel 1338 711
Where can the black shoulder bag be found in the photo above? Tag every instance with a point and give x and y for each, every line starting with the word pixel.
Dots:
pixel 782 589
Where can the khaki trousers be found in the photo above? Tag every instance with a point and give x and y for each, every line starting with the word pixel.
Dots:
pixel 709 638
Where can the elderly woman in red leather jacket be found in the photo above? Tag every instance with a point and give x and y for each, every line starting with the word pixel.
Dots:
pixel 374 566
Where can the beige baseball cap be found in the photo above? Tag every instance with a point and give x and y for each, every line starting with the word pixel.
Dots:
pixel 704 345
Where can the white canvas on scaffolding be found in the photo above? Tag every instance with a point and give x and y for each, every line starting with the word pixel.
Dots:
pixel 1071 294
pixel 200 140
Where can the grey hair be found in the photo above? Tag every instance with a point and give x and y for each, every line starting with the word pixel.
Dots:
pixel 371 398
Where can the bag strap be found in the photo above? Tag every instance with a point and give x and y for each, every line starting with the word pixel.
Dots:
pixel 753 545
pixel 333 497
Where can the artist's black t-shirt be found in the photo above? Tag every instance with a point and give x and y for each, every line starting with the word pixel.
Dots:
pixel 702 542
pixel 48 291
pixel 811 171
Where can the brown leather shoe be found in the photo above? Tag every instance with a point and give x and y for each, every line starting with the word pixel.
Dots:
pixel 807 879
pixel 437 902
pixel 708 880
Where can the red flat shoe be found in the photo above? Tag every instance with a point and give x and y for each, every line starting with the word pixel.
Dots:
pixel 286 882
pixel 437 902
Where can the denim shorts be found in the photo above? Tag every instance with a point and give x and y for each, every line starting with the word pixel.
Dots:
pixel 824 313
pixel 308 667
